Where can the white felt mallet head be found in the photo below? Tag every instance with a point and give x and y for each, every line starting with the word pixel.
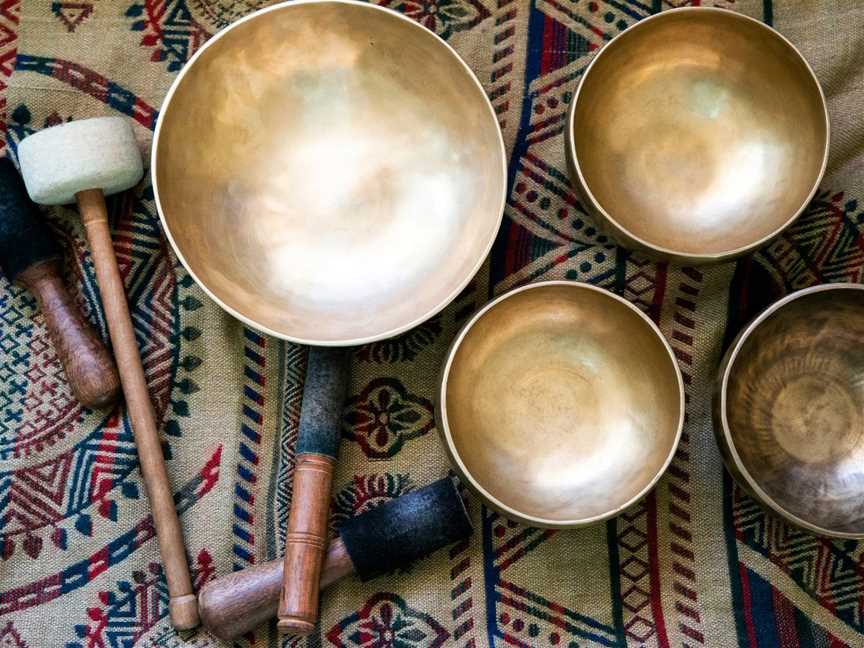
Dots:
pixel 61 161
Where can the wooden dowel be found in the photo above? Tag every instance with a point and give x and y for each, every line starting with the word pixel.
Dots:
pixel 90 371
pixel 305 541
pixel 234 604
pixel 182 605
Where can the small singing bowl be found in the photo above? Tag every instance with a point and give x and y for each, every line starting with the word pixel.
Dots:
pixel 697 135
pixel 789 409
pixel 560 404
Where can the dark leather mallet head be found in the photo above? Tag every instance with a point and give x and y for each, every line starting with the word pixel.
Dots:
pixel 30 256
pixel 388 537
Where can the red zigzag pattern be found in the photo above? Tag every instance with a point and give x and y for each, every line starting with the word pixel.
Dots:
pixel 678 473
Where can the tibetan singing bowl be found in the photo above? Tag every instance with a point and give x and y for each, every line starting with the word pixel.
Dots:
pixel 329 172
pixel 789 409
pixel 560 404
pixel 697 135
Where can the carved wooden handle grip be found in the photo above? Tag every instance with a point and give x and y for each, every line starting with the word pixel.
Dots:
pixel 89 367
pixel 182 603
pixel 234 604
pixel 305 541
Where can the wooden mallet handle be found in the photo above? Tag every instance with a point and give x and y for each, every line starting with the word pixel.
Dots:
pixel 317 446
pixel 235 603
pixel 89 368
pixel 388 537
pixel 182 605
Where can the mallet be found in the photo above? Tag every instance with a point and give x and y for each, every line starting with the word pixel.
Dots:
pixel 388 537
pixel 31 257
pixel 81 162
pixel 317 447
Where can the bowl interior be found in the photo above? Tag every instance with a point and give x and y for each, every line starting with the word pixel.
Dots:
pixel 795 408
pixel 330 172
pixel 700 132
pixel 563 404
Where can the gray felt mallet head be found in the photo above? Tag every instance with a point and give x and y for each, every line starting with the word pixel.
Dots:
pixel 81 162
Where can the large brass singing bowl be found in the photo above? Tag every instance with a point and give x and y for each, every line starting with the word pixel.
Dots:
pixel 789 409
pixel 330 172
pixel 697 135
pixel 560 404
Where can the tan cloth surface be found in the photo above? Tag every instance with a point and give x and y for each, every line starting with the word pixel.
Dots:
pixel 696 563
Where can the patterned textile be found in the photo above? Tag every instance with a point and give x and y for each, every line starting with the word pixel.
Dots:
pixel 696 563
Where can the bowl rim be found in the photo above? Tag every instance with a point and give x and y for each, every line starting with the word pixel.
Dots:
pixel 727 366
pixel 474 484
pixel 466 279
pixel 570 143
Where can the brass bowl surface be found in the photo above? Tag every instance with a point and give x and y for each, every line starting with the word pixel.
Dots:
pixel 330 172
pixel 560 404
pixel 789 412
pixel 697 134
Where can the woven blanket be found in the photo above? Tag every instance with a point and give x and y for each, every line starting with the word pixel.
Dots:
pixel 697 562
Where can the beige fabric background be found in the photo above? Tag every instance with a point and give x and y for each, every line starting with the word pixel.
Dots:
pixel 584 587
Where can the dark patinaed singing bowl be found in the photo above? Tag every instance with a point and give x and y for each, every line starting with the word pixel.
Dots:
pixel 789 409
pixel 560 404
pixel 697 135
pixel 330 172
